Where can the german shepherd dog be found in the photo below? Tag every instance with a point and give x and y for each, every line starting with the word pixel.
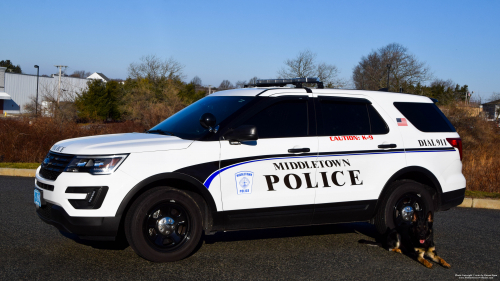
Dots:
pixel 415 240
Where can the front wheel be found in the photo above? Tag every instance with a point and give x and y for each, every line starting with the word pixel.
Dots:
pixel 403 199
pixel 164 224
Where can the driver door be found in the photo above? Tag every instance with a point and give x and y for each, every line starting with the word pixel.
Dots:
pixel 271 181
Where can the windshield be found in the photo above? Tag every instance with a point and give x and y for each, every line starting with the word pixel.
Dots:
pixel 186 123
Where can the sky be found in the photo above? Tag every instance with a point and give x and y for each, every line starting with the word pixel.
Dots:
pixel 237 40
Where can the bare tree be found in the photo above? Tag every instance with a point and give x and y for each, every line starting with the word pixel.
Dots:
pixel 253 80
pixel 196 81
pixel 152 67
pixel 406 69
pixel 80 74
pixel 304 65
pixel 240 84
pixel 225 84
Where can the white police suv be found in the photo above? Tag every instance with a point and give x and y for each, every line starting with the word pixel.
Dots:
pixel 263 156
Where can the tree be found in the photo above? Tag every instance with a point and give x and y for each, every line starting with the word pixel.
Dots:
pixel 304 66
pixel 10 67
pixel 80 74
pixel 225 85
pixel 188 93
pixel 149 105
pixel 155 69
pixel 253 80
pixel 405 71
pixel 196 81
pixel 240 84
pixel 100 101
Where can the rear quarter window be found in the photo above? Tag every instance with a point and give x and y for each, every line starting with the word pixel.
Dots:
pixel 426 117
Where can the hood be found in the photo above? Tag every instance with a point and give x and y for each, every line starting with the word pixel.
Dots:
pixel 119 143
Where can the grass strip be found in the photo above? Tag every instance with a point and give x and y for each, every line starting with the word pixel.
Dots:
pixel 19 165
pixel 482 194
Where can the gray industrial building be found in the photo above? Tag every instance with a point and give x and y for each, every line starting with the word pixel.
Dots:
pixel 492 109
pixel 17 90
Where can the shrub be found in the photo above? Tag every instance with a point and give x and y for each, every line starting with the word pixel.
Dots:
pixel 481 147
pixel 28 140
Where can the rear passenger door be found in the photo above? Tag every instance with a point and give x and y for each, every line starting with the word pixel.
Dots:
pixel 268 182
pixel 358 153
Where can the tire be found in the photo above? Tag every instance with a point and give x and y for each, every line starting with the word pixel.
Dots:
pixel 400 202
pixel 164 224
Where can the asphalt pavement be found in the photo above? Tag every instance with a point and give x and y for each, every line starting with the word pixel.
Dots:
pixel 466 238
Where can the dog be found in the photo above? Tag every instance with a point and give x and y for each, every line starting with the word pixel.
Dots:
pixel 415 240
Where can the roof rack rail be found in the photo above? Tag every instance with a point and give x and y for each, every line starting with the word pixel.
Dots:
pixel 297 82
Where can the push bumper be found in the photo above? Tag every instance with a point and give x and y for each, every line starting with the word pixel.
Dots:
pixel 452 199
pixel 91 228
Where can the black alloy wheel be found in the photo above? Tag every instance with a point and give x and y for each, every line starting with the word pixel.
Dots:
pixel 403 199
pixel 406 206
pixel 167 226
pixel 164 224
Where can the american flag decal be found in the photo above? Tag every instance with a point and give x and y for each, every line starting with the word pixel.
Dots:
pixel 401 121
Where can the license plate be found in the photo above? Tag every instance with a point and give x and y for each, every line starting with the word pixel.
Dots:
pixel 38 198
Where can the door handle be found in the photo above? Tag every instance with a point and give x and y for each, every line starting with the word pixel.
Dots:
pixel 392 145
pixel 298 150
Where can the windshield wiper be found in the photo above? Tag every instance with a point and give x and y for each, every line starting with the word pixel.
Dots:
pixel 161 132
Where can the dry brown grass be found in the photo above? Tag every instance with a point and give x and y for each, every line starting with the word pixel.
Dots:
pixel 28 140
pixel 481 149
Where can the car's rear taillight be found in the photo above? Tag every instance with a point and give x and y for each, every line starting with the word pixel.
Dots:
pixel 457 143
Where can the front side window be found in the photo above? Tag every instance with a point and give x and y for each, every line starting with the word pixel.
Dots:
pixel 186 123
pixel 283 119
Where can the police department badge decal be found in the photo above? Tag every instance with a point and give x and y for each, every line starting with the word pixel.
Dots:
pixel 244 181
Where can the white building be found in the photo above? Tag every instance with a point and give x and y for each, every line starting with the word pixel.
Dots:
pixel 99 76
pixel 18 90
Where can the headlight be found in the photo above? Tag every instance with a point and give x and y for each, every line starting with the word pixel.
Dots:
pixel 95 165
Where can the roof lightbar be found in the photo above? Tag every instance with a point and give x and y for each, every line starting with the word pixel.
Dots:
pixel 297 82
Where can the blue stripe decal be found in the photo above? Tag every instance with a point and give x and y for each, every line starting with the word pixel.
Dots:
pixel 216 173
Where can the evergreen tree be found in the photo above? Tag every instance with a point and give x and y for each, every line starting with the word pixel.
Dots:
pixel 99 101
pixel 10 67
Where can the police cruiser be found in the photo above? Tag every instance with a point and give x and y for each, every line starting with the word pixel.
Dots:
pixel 267 155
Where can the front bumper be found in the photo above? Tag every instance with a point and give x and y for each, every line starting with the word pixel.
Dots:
pixel 95 228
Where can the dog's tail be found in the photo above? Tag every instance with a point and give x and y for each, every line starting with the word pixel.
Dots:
pixel 363 241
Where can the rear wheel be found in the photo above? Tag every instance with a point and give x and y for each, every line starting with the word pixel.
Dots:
pixel 164 224
pixel 403 199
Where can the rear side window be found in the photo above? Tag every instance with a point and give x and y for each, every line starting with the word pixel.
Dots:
pixel 425 116
pixel 340 118
pixel 281 120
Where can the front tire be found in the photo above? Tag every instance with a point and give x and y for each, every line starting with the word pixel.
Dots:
pixel 164 224
pixel 403 199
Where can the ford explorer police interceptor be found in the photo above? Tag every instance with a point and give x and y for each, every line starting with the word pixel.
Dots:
pixel 263 156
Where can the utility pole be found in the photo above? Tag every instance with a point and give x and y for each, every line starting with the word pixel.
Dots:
pixel 59 89
pixel 37 75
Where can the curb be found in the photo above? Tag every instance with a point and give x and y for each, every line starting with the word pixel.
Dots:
pixel 480 203
pixel 467 203
pixel 18 172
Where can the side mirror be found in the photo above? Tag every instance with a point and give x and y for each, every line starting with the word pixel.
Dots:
pixel 243 133
pixel 207 121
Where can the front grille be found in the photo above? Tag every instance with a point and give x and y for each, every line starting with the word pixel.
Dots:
pixel 44 185
pixel 45 211
pixel 54 164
